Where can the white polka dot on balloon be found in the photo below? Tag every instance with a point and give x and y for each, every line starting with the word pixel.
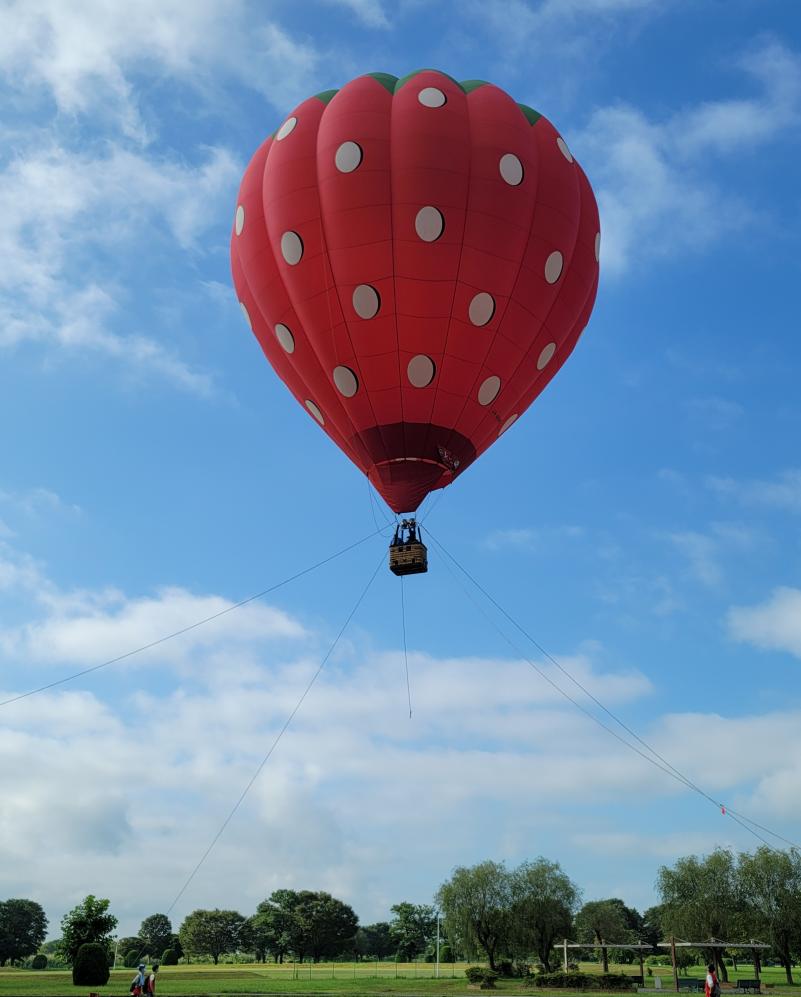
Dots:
pixel 239 221
pixel 482 308
pixel 348 157
pixel 488 391
pixel 564 149
pixel 431 97
pixel 291 247
pixel 507 424
pixel 285 337
pixel 511 169
pixel 598 247
pixel 366 301
pixel 420 371
pixel 245 313
pixel 553 267
pixel 315 411
pixel 546 355
pixel 429 224
pixel 286 128
pixel 346 381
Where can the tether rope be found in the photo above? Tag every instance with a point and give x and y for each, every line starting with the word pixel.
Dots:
pixel 278 737
pixel 191 626
pixel 654 758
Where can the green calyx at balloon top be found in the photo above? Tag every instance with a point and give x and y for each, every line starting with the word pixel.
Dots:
pixel 394 83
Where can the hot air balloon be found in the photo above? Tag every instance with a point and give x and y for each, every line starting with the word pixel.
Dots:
pixel 417 258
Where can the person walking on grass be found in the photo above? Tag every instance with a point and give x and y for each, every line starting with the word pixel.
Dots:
pixel 150 981
pixel 711 985
pixel 138 982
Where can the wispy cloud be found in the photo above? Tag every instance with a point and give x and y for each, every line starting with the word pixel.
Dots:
pixel 63 212
pixel 37 502
pixel 371 13
pixel 88 56
pixel 530 538
pixel 652 177
pixel 782 492
pixel 705 551
pixel 714 413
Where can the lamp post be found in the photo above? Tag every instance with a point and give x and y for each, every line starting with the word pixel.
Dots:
pixel 437 971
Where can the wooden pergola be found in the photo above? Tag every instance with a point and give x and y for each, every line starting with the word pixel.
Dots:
pixel 712 943
pixel 640 948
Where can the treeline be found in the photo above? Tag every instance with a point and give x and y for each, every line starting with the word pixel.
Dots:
pixel 496 913
pixel 488 911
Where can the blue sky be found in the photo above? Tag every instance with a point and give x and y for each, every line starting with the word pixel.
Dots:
pixel 642 521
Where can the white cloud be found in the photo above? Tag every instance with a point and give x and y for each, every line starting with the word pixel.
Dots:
pixel 89 627
pixel 783 492
pixel 705 551
pixel 152 777
pixel 529 538
pixel 775 625
pixel 564 26
pixel 370 12
pixel 63 214
pixel 39 502
pixel 88 55
pixel 713 412
pixel 701 551
pixel 658 846
pixel 652 178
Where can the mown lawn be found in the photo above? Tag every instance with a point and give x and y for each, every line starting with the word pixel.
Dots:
pixel 339 978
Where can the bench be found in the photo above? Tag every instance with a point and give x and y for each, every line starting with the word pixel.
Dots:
pixel 749 986
pixel 694 986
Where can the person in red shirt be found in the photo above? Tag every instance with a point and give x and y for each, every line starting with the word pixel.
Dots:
pixel 150 981
pixel 711 985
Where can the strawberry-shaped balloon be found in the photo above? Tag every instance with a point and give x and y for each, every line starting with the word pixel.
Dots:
pixel 417 258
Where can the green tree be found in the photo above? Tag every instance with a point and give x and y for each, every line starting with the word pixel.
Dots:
pixel 476 903
pixel 131 943
pixel 89 922
pixel 90 965
pixel 651 931
pixel 156 934
pixel 601 922
pixel 260 937
pixel 412 928
pixel 175 944
pixel 701 900
pixel 770 887
pixel 375 940
pixel 23 926
pixel 326 925
pixel 275 923
pixel 544 901
pixel 212 932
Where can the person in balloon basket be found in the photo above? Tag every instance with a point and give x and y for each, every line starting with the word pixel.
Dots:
pixel 138 982
pixel 711 985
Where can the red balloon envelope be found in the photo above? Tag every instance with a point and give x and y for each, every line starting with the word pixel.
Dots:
pixel 417 258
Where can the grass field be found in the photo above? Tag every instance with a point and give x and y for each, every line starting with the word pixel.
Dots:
pixel 332 978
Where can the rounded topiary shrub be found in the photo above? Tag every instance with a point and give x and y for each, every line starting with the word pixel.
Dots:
pixel 169 957
pixel 488 983
pixel 90 968
pixel 131 960
pixel 474 974
pixel 39 961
